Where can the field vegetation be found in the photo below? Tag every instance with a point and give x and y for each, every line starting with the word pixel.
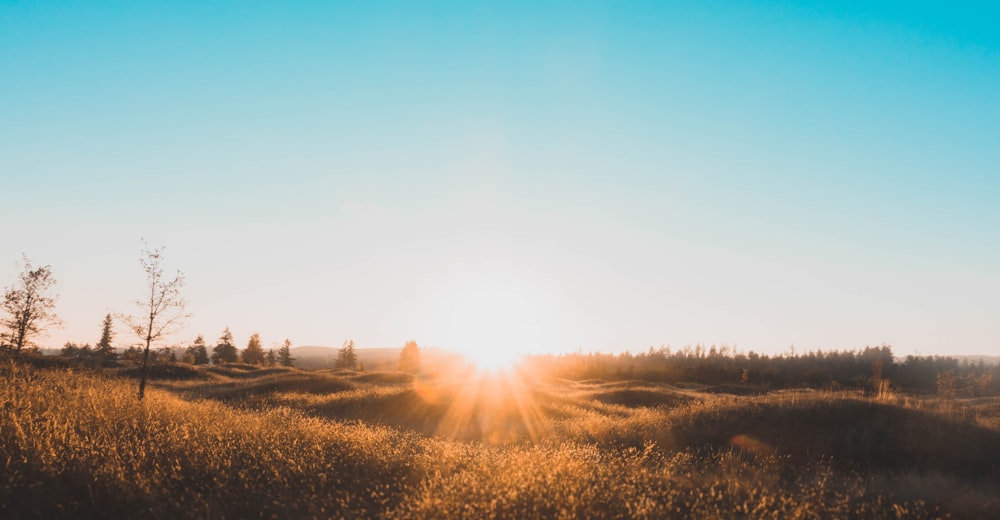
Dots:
pixel 244 441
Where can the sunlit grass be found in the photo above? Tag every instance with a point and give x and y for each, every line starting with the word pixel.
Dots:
pixel 291 443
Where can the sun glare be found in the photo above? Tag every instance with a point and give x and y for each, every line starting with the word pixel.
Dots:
pixel 494 322
pixel 486 360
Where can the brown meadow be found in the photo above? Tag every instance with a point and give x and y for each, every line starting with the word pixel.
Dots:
pixel 242 442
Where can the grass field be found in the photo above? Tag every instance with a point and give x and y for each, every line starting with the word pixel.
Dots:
pixel 241 442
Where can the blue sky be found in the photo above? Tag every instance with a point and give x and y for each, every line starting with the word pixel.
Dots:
pixel 515 176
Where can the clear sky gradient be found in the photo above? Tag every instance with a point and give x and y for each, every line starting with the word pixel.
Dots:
pixel 537 176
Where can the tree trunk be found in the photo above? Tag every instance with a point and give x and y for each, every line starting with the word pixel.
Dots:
pixel 149 340
pixel 20 341
pixel 142 379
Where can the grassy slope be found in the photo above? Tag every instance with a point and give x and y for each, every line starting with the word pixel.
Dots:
pixel 236 443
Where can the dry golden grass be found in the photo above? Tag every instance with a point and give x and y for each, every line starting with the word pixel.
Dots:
pixel 238 443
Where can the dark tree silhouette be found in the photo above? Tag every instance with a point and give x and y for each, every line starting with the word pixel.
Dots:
pixel 133 354
pixel 225 351
pixel 104 350
pixel 347 358
pixel 76 352
pixel 28 306
pixel 198 352
pixel 162 311
pixel 285 358
pixel 254 353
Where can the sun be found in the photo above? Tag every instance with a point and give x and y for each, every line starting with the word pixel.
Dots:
pixel 492 360
pixel 494 322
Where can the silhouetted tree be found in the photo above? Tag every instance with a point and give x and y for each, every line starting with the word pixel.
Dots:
pixel 162 310
pixel 76 352
pixel 133 354
pixel 347 358
pixel 270 358
pixel 409 358
pixel 104 350
pixel 285 358
pixel 166 354
pixel 254 353
pixel 225 351
pixel 28 306
pixel 70 350
pixel 198 352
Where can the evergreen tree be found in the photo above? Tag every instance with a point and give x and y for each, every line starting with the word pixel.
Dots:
pixel 271 359
pixel 198 352
pixel 165 354
pixel 133 354
pixel 70 351
pixel 226 338
pixel 254 353
pixel 104 350
pixel 225 351
pixel 285 358
pixel 347 359
pixel 409 358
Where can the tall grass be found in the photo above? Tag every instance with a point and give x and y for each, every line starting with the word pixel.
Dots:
pixel 291 444
pixel 81 444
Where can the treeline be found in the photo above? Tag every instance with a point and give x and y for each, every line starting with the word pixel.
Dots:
pixel 871 368
pixel 223 352
pixel 196 353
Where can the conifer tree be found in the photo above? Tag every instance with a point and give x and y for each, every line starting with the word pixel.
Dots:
pixel 285 358
pixel 254 353
pixel 409 358
pixel 347 359
pixel 105 351
pixel 198 352
pixel 225 351
pixel 70 350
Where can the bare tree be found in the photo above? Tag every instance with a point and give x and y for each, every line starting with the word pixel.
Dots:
pixel 28 306
pixel 162 312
